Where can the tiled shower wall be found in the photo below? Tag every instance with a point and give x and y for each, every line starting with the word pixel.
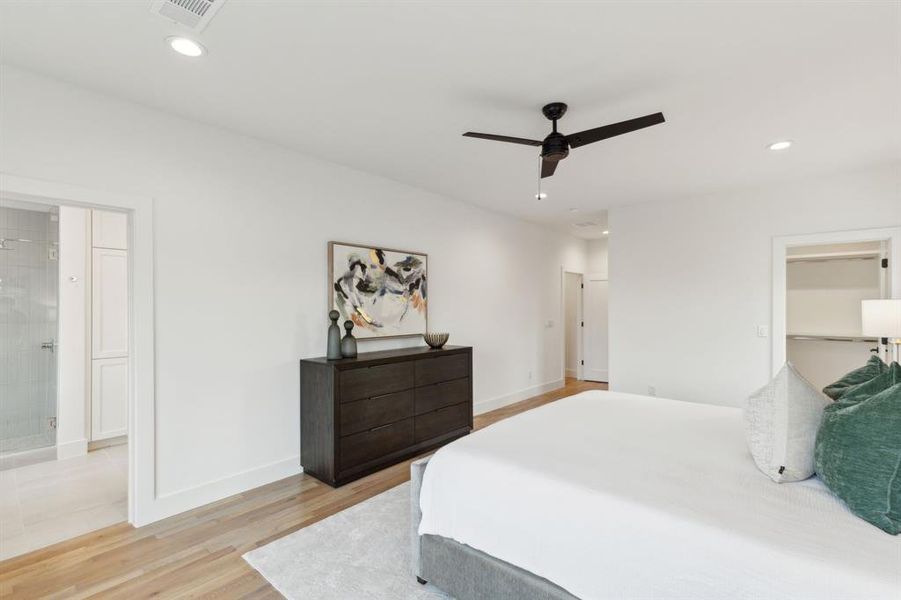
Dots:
pixel 28 317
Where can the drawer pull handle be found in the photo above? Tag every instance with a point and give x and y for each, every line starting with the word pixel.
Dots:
pixel 380 427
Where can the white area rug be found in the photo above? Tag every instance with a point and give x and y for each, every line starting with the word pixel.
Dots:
pixel 360 553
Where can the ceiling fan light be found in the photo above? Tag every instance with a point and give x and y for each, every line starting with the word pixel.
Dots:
pixel 541 195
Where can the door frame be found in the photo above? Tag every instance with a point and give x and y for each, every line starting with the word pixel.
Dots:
pixel 782 243
pixel 580 316
pixel 142 500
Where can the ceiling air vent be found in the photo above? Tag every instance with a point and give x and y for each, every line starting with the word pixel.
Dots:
pixel 194 14
pixel 586 224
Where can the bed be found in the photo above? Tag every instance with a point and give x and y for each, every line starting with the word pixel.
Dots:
pixel 611 495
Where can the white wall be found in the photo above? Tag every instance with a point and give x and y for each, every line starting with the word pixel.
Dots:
pixel 240 270
pixel 823 362
pixel 73 352
pixel 597 257
pixel 823 298
pixel 692 279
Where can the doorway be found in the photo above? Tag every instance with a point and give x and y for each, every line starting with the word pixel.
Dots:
pixel 64 392
pixel 585 328
pixel 825 285
pixel 819 281
pixel 572 324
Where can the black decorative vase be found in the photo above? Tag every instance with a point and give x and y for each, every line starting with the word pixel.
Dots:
pixel 334 337
pixel 349 343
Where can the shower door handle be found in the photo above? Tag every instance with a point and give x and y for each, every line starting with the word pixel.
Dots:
pixel 51 345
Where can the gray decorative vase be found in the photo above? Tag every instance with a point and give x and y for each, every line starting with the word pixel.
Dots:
pixel 349 343
pixel 334 337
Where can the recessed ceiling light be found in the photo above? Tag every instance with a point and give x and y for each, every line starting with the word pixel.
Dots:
pixel 605 232
pixel 782 145
pixel 540 195
pixel 186 47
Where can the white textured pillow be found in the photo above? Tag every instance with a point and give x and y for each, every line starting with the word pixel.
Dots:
pixel 781 422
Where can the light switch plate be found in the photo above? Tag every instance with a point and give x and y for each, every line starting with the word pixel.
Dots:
pixel 763 331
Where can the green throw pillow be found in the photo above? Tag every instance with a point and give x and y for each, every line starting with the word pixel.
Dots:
pixel 862 391
pixel 858 456
pixel 874 367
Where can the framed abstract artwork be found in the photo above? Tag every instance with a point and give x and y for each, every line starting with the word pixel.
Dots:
pixel 382 290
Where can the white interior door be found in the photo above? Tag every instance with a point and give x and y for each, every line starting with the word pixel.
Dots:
pixel 594 308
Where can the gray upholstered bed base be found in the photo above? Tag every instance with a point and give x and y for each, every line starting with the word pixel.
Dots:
pixel 466 573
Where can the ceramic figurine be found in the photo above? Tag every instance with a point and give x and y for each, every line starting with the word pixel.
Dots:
pixel 349 343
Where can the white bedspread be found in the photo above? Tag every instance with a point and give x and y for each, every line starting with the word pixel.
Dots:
pixel 621 496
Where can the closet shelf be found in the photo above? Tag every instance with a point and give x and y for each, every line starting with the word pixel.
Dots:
pixel 831 338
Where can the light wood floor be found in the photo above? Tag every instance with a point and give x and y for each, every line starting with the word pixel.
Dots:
pixel 198 553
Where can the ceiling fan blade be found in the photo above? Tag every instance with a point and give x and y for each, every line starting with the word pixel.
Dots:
pixel 608 131
pixel 503 138
pixel 548 167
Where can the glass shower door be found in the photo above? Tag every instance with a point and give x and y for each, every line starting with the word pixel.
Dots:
pixel 29 250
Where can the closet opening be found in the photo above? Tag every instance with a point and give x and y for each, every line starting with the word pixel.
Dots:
pixel 819 283
pixel 825 285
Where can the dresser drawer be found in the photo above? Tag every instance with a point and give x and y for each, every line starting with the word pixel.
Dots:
pixel 438 395
pixel 369 445
pixel 443 420
pixel 443 368
pixel 356 384
pixel 363 415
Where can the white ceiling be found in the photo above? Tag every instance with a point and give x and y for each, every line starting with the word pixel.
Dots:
pixel 389 87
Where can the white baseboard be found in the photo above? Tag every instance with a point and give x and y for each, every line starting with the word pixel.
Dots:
pixel 173 503
pixel 572 373
pixel 71 449
pixel 597 375
pixel 501 401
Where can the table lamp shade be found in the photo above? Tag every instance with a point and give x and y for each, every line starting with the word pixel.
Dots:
pixel 881 318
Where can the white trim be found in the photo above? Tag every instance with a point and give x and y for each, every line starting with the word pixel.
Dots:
pixel 71 449
pixel 780 246
pixel 142 501
pixel 172 503
pixel 502 401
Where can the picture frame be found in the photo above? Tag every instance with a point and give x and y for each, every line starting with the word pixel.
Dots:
pixel 384 291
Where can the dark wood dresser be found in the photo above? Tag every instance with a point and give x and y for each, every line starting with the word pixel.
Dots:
pixel 359 415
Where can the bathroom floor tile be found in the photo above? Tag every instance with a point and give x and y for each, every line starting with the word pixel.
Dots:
pixel 50 502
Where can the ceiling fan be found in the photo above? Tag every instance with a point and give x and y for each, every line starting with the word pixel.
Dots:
pixel 555 147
